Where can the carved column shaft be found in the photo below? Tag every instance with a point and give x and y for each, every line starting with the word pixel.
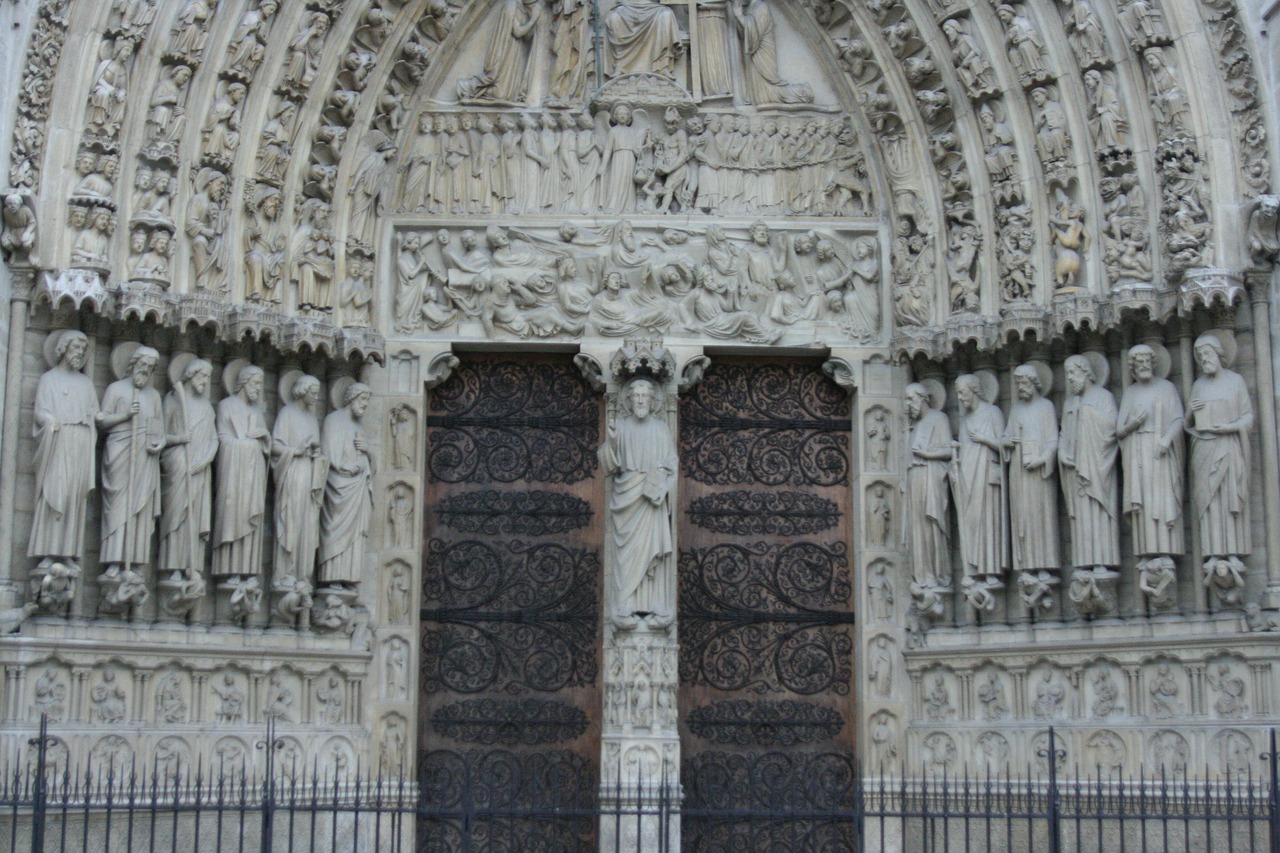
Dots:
pixel 19 308
pixel 1260 293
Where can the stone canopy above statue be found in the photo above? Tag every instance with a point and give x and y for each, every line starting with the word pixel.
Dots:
pixel 558 54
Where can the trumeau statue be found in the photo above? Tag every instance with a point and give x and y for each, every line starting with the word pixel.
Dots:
pixel 241 474
pixel 1150 431
pixel 1031 447
pixel 927 515
pixel 132 417
pixel 186 467
pixel 348 494
pixel 300 471
pixel 640 458
pixel 1221 416
pixel 1087 462
pixel 977 478
pixel 65 429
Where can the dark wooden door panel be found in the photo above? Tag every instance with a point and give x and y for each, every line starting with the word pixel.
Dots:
pixel 765 608
pixel 509 690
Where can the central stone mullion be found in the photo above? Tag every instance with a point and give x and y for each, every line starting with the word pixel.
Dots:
pixel 640 741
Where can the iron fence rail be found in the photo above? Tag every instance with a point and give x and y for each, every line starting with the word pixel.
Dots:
pixel 47 807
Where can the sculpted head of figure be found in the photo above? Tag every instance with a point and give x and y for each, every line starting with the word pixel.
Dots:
pixel 357 399
pixel 496 237
pixel 142 364
pixel 1079 374
pixel 1142 360
pixel 967 391
pixel 1210 354
pixel 306 392
pixel 621 115
pixel 138 241
pixel 468 239
pixel 1026 382
pixel 917 401
pixel 643 398
pixel 196 376
pixel 1269 205
pixel 249 384
pixel 613 281
pixel 1092 78
pixel 71 349
pixel 760 233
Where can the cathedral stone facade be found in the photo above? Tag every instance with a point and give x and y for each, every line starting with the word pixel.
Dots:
pixel 642 388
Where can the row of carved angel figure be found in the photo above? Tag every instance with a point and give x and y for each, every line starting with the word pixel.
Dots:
pixel 1003 472
pixel 197 475
pixel 618 281
pixel 621 161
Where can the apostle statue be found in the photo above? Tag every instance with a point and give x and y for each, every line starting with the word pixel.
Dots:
pixel 977 477
pixel 1031 447
pixel 66 409
pixel 1087 464
pixel 348 493
pixel 643 36
pixel 132 416
pixel 241 474
pixel 186 467
pixel 640 458
pixel 300 472
pixel 1221 417
pixel 927 501
pixel 1150 432
pixel 505 77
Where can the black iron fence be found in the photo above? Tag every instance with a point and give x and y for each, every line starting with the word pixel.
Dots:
pixel 46 806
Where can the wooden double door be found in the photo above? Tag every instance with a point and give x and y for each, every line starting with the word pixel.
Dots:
pixel 510 684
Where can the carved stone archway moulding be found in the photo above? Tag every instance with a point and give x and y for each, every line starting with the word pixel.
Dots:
pixel 1013 155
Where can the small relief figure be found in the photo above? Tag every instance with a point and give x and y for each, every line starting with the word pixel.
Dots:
pixel 1069 243
pixel 642 36
pixel 49 695
pixel 18 237
pixel 880 591
pixel 132 417
pixel 243 447
pixel 396 669
pixel 170 706
pixel 56 589
pixel 348 493
pixel 300 471
pixel 400 515
pixel 971 63
pixel 263 244
pixel 1108 122
pixel 879 516
pixel 880 668
pixel 991 697
pixel 1164 693
pixel 204 225
pixel 1052 137
pixel 754 24
pixel 1087 450
pixel 404 437
pixel 368 192
pixel 109 700
pixel 879 436
pixel 355 295
pixel 313 256
pixel 278 703
pixel 222 129
pixel 1168 102
pixel 937 702
pixel 1026 45
pixel 230 701
pixel 1231 689
pixel 1264 229
pixel 1170 751
pixel 1050 696
pixel 639 456
pixel 391 748
pixel 927 496
pixel 93 242
pixel 306 49
pixel 505 77
pixel 248 43
pixel 884 742
pixel 398 591
pixel 166 116
pixel 329 700
pixel 109 90
pixel 65 430
pixel 572 49
pixel 1106 696
pixel 1084 31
